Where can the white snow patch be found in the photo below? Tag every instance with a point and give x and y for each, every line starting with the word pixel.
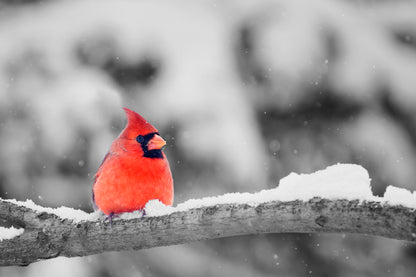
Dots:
pixel 400 196
pixel 157 208
pixel 75 215
pixel 9 233
pixel 341 181
pixel 128 216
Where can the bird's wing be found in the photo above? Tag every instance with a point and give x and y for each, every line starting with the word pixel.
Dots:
pixel 107 156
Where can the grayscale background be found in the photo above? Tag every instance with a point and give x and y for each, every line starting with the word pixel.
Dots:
pixel 244 92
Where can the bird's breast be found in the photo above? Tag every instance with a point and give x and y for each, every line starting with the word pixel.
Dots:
pixel 127 182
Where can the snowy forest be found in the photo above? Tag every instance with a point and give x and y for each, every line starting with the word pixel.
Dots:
pixel 244 93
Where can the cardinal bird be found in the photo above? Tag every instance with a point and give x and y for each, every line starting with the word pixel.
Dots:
pixel 134 171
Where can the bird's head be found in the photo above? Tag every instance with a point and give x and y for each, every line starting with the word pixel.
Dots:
pixel 140 135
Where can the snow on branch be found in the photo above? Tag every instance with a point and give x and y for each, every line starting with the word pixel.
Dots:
pixel 337 199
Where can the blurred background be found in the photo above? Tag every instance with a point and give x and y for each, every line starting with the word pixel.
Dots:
pixel 244 92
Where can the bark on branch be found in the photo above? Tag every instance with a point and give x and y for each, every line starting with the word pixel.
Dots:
pixel 47 236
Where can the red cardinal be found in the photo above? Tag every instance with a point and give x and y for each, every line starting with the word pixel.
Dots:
pixel 134 171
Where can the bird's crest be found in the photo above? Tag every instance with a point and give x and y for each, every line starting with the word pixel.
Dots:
pixel 136 125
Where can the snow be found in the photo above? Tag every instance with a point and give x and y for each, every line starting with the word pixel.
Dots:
pixel 400 196
pixel 346 181
pixel 75 215
pixel 340 181
pixel 9 233
pixel 157 208
pixel 127 216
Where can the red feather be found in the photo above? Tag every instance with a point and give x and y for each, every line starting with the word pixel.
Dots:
pixel 127 179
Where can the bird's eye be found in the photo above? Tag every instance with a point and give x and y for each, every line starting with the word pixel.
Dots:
pixel 140 139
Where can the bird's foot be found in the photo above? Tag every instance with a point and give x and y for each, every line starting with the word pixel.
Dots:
pixel 110 217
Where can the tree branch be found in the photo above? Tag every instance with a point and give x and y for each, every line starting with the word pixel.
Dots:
pixel 47 235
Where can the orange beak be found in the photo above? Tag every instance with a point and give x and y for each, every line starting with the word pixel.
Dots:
pixel 157 142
